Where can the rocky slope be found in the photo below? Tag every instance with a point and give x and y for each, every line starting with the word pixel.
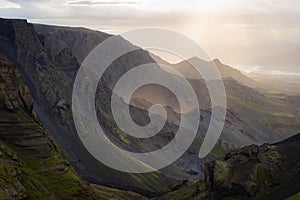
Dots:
pixel 31 165
pixel 48 58
pixel 48 67
pixel 269 171
pixel 254 115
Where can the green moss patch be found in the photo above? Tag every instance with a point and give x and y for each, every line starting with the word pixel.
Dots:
pixel 261 174
pixel 222 172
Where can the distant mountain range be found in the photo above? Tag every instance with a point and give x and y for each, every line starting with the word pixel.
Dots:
pixel 48 58
pixel 186 68
pixel 278 83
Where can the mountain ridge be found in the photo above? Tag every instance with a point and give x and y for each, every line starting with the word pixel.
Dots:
pixel 186 68
pixel 48 59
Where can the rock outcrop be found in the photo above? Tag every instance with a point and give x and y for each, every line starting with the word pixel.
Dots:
pixel 267 172
pixel 256 171
pixel 246 172
pixel 18 125
pixel 260 172
pixel 14 95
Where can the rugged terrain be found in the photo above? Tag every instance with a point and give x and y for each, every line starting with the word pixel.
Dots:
pixel 48 67
pixel 269 171
pixel 31 164
pixel 48 58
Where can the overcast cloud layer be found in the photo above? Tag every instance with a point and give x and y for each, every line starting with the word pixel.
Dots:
pixel 263 33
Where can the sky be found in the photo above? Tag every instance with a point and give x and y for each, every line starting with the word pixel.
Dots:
pixel 249 35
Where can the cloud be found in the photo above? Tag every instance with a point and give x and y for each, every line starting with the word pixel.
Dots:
pixel 92 3
pixel 235 31
pixel 6 4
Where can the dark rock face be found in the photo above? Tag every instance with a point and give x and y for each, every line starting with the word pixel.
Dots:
pixel 31 165
pixel 255 171
pixel 20 128
pixel 44 55
pixel 14 95
pixel 17 123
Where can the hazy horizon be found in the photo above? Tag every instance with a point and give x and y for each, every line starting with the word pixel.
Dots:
pixel 259 36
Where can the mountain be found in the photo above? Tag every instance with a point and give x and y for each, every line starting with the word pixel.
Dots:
pixel 33 167
pixel 48 58
pixel 186 68
pixel 252 112
pixel 31 164
pixel 269 171
pixel 48 67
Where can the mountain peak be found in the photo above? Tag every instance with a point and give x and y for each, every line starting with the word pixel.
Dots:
pixel 186 68
pixel 195 59
pixel 217 61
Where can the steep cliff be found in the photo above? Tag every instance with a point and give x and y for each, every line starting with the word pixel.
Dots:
pixel 31 165
pixel 44 55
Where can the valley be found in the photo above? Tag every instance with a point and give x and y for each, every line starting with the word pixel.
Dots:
pixel 39 64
